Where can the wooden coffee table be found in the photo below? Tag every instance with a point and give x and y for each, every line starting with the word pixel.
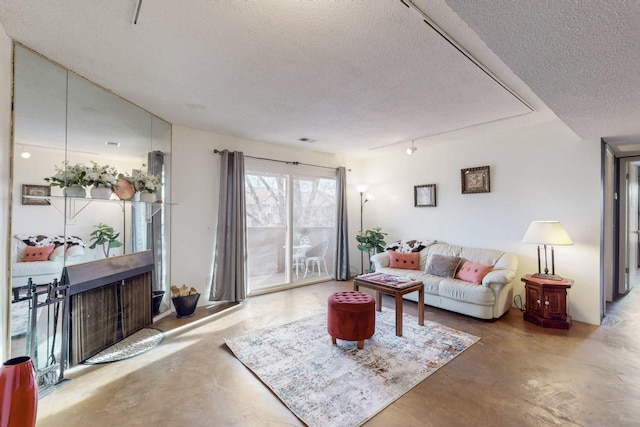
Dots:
pixel 392 285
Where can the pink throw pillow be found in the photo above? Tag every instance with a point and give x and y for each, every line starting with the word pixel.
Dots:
pixel 473 272
pixel 410 261
pixel 37 253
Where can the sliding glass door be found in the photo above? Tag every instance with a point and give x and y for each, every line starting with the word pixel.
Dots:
pixel 291 224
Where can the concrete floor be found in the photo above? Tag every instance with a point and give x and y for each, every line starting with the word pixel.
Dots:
pixel 517 374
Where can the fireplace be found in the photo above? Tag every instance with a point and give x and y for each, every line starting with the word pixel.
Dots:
pixel 107 300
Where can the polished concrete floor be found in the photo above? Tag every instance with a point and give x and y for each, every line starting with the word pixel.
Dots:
pixel 518 374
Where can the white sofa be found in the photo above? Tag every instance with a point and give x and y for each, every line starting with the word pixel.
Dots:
pixel 42 272
pixel 488 300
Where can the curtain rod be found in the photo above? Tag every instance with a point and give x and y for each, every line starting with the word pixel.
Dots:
pixel 216 151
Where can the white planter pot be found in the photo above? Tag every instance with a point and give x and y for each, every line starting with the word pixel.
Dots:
pixel 101 192
pixel 148 197
pixel 74 190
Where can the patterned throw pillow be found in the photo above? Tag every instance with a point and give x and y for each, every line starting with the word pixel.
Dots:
pixel 410 261
pixel 406 246
pixel 443 265
pixel 393 246
pixel 46 240
pixel 473 272
pixel 39 240
pixel 75 241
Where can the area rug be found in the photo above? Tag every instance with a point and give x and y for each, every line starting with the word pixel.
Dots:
pixel 133 345
pixel 327 385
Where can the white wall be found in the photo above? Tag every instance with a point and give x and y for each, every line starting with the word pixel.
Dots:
pixel 194 189
pixel 5 162
pixel 543 172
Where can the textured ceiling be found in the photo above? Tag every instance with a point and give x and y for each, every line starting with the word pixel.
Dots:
pixel 356 76
pixel 581 57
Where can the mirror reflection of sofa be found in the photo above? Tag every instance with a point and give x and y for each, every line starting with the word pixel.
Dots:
pixel 42 257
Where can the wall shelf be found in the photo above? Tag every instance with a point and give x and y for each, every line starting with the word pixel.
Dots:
pixel 152 208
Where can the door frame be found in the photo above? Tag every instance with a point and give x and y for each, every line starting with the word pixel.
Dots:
pixel 614 225
pixel 628 223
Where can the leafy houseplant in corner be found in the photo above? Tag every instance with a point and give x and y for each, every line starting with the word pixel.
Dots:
pixel 372 242
pixel 106 236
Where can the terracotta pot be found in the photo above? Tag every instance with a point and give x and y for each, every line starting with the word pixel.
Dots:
pixel 19 393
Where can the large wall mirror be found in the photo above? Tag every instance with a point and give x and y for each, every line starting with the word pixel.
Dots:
pixel 61 117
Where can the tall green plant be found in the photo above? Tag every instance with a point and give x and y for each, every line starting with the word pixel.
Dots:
pixel 106 236
pixel 371 241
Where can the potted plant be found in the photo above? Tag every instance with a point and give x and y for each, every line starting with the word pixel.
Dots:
pixel 103 178
pixel 147 184
pixel 71 178
pixel 106 236
pixel 372 242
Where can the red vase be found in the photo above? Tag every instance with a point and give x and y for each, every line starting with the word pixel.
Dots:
pixel 18 393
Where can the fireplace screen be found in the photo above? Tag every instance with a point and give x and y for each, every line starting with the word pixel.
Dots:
pixel 109 300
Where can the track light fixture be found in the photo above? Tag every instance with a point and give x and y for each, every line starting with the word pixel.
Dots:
pixel 411 149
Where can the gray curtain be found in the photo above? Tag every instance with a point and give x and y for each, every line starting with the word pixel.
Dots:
pixel 230 265
pixel 146 227
pixel 341 261
pixel 155 162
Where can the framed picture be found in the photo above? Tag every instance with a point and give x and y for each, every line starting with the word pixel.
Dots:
pixel 475 180
pixel 424 195
pixel 35 190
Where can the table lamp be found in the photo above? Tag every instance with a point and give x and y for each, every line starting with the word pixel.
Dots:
pixel 547 233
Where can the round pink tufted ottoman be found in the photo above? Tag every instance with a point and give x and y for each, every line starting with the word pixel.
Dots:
pixel 351 316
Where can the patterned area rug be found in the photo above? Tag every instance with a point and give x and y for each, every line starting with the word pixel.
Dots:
pixel 133 345
pixel 327 385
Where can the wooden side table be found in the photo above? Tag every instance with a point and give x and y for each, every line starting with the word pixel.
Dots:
pixel 389 284
pixel 546 302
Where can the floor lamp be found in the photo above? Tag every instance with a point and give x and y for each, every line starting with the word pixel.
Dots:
pixel 361 188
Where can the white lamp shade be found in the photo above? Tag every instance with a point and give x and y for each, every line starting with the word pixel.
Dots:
pixel 361 188
pixel 547 233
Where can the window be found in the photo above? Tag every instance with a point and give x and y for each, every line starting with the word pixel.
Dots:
pixel 291 223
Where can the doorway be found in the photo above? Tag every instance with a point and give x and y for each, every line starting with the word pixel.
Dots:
pixel 620 226
pixel 291 224
pixel 629 225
